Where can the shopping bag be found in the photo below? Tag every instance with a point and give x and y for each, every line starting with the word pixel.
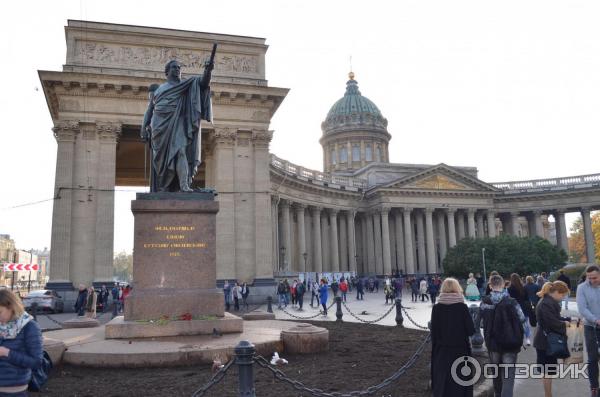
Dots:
pixel 575 343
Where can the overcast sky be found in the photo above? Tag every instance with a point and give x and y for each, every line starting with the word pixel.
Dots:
pixel 510 87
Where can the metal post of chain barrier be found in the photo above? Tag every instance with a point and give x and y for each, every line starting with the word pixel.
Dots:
pixel 476 339
pixel 399 318
pixel 269 304
pixel 338 312
pixel 34 310
pixel 244 358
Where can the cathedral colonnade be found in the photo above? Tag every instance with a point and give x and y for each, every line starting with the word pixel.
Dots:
pixel 385 240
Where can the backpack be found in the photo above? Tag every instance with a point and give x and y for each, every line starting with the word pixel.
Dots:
pixel 39 376
pixel 506 330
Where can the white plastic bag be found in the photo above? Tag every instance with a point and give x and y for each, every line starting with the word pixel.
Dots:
pixel 575 343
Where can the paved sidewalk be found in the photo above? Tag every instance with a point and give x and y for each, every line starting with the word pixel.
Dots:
pixel 51 322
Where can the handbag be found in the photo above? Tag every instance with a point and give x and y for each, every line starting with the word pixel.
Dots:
pixel 557 344
pixel 39 376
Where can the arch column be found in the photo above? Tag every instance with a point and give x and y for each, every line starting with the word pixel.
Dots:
pixel 317 250
pixel 588 232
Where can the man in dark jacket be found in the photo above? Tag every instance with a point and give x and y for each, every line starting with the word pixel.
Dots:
pixel 565 279
pixel 504 384
pixel 300 290
pixel 81 301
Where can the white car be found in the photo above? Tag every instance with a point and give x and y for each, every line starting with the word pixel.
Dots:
pixel 46 300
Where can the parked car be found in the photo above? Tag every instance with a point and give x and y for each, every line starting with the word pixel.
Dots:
pixel 47 300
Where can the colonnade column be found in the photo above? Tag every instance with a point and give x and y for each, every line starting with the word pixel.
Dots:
pixel 343 248
pixel 385 235
pixel 441 226
pixel 365 244
pixel 588 232
pixel 422 254
pixel 378 246
pixel 430 242
pixel 451 227
pixel 471 222
pixel 274 236
pixel 333 240
pixel 537 223
pixel 514 223
pixel 460 220
pixel 286 235
pixel 370 243
pixel 351 241
pixel 491 220
pixel 399 241
pixel 325 250
pixel 561 230
pixel 480 228
pixel 408 241
pixel 301 236
pixel 318 258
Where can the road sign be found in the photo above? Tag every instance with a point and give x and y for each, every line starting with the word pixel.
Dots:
pixel 15 267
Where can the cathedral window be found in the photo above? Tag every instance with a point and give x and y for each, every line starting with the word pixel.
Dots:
pixel 369 153
pixel 355 153
pixel 343 155
pixel 333 156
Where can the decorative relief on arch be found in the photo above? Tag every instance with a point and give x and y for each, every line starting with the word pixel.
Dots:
pixel 155 58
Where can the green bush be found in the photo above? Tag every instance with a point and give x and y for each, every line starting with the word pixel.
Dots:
pixel 504 254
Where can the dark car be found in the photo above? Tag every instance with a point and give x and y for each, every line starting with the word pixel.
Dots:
pixel 46 300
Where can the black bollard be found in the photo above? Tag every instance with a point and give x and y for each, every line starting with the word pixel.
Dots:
pixel 338 312
pixel 244 358
pixel 476 339
pixel 399 318
pixel 34 310
pixel 269 304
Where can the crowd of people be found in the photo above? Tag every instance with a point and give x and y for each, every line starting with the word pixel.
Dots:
pixel 509 311
pixel 89 301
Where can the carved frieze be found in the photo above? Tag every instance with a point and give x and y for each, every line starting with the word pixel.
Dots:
pixel 155 58
pixel 262 137
pixel 108 132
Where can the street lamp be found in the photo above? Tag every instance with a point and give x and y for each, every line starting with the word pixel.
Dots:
pixel 483 258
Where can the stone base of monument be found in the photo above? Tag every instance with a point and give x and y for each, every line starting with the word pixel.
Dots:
pixel 118 328
pixel 90 347
pixel 305 338
pixel 80 322
pixel 258 315
pixel 55 349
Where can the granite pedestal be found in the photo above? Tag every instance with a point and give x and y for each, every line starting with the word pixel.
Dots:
pixel 174 265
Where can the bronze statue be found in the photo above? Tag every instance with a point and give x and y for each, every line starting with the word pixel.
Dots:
pixel 172 126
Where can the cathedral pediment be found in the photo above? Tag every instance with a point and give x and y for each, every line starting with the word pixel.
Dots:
pixel 439 177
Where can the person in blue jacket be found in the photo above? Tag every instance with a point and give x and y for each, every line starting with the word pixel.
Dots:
pixel 323 295
pixel 20 346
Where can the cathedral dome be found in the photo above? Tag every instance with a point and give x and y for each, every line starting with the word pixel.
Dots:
pixel 354 132
pixel 353 111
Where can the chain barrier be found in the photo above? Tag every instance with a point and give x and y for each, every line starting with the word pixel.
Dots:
pixel 279 375
pixel 306 317
pixel 411 319
pixel 369 321
pixel 218 377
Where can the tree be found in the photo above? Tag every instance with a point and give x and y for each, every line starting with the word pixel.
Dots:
pixel 123 266
pixel 505 254
pixel 577 253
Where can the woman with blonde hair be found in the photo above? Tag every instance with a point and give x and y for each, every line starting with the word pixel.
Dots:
pixel 451 327
pixel 549 320
pixel 20 346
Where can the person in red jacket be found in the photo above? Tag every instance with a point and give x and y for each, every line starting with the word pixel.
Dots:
pixel 344 288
